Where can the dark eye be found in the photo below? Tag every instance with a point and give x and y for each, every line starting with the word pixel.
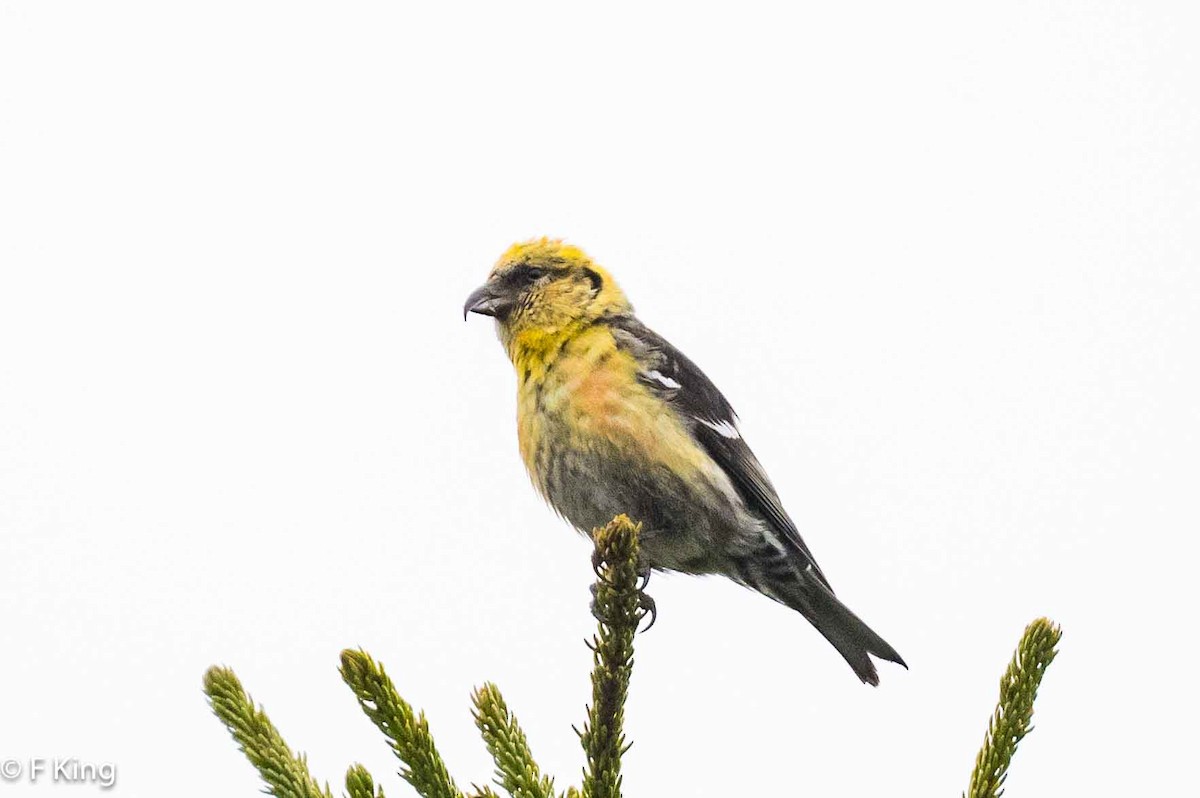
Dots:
pixel 524 276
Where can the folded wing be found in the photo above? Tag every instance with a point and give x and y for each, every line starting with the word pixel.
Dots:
pixel 711 420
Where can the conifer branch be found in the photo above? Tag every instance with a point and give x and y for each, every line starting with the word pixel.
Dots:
pixel 618 607
pixel 1011 722
pixel 482 792
pixel 516 771
pixel 359 783
pixel 286 774
pixel 407 732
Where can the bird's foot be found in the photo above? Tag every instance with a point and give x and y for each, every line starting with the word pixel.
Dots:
pixel 597 567
pixel 594 607
pixel 646 606
pixel 644 575
pixel 645 602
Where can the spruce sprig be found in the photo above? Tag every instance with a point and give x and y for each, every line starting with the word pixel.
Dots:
pixel 407 731
pixel 1014 713
pixel 359 783
pixel 617 605
pixel 516 770
pixel 286 774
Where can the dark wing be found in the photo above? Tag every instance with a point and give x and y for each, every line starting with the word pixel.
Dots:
pixel 681 383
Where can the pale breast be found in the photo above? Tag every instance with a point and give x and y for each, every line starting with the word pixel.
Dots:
pixel 597 443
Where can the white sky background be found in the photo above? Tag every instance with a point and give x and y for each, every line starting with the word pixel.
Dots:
pixel 944 260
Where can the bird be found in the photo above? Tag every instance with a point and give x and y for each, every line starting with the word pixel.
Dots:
pixel 611 419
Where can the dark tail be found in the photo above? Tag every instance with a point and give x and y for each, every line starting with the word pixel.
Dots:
pixel 853 639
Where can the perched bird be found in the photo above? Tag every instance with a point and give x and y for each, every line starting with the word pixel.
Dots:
pixel 613 419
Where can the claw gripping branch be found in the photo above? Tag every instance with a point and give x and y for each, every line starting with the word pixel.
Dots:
pixel 619 608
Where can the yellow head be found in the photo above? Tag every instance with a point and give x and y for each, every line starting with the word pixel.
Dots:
pixel 542 289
